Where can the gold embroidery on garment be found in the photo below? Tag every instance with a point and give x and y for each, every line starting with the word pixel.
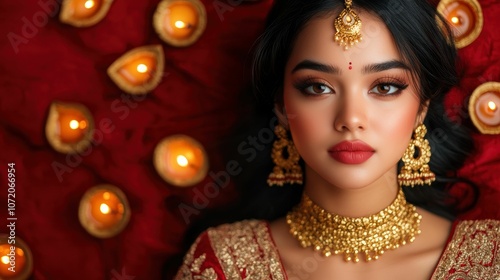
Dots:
pixel 272 256
pixel 196 264
pixel 246 251
pixel 191 267
pixel 185 271
pixel 207 274
pixel 473 253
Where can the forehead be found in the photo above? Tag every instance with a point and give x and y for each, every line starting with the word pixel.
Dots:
pixel 316 42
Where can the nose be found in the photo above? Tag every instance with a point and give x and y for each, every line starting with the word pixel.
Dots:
pixel 351 113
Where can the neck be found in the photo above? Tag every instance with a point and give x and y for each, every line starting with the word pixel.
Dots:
pixel 352 201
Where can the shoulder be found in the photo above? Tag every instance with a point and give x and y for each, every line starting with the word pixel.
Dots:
pixel 473 250
pixel 246 228
pixel 476 230
pixel 489 226
pixel 231 250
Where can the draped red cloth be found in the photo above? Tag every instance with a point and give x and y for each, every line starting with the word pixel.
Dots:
pixel 202 94
pixel 480 63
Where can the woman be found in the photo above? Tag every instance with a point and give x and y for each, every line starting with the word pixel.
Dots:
pixel 358 86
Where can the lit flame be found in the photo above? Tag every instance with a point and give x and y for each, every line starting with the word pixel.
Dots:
pixel 492 106
pixel 74 124
pixel 104 208
pixel 89 4
pixel 180 24
pixel 106 195
pixel 5 259
pixel 142 68
pixel 455 20
pixel 182 160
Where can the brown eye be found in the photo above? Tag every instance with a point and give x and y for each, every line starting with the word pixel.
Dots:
pixel 383 88
pixel 317 89
pixel 387 89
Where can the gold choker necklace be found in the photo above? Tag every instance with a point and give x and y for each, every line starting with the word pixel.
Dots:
pixel 392 227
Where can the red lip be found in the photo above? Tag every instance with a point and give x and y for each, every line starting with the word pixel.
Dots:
pixel 351 152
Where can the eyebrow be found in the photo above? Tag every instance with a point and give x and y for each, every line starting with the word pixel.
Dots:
pixel 379 67
pixel 313 65
pixel 370 68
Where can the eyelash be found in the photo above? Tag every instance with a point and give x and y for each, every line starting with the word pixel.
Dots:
pixel 308 82
pixel 388 81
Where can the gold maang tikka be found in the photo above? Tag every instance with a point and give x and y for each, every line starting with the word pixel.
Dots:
pixel 348 27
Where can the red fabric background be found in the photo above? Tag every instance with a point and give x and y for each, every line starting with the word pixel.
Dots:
pixel 200 95
pixel 480 64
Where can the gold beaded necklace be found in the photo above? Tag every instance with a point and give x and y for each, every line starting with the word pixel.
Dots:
pixel 329 233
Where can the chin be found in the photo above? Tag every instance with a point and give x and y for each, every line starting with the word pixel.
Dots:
pixel 359 184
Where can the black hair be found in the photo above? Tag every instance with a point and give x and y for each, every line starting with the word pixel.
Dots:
pixel 425 43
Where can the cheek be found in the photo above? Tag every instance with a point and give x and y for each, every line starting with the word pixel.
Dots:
pixel 305 121
pixel 400 126
pixel 397 128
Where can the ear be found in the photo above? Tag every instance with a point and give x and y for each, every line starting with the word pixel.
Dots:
pixel 281 114
pixel 421 115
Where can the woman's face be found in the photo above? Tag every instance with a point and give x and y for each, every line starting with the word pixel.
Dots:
pixel 351 113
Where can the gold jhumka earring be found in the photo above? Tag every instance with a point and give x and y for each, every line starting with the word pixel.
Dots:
pixel 348 27
pixel 287 169
pixel 416 170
